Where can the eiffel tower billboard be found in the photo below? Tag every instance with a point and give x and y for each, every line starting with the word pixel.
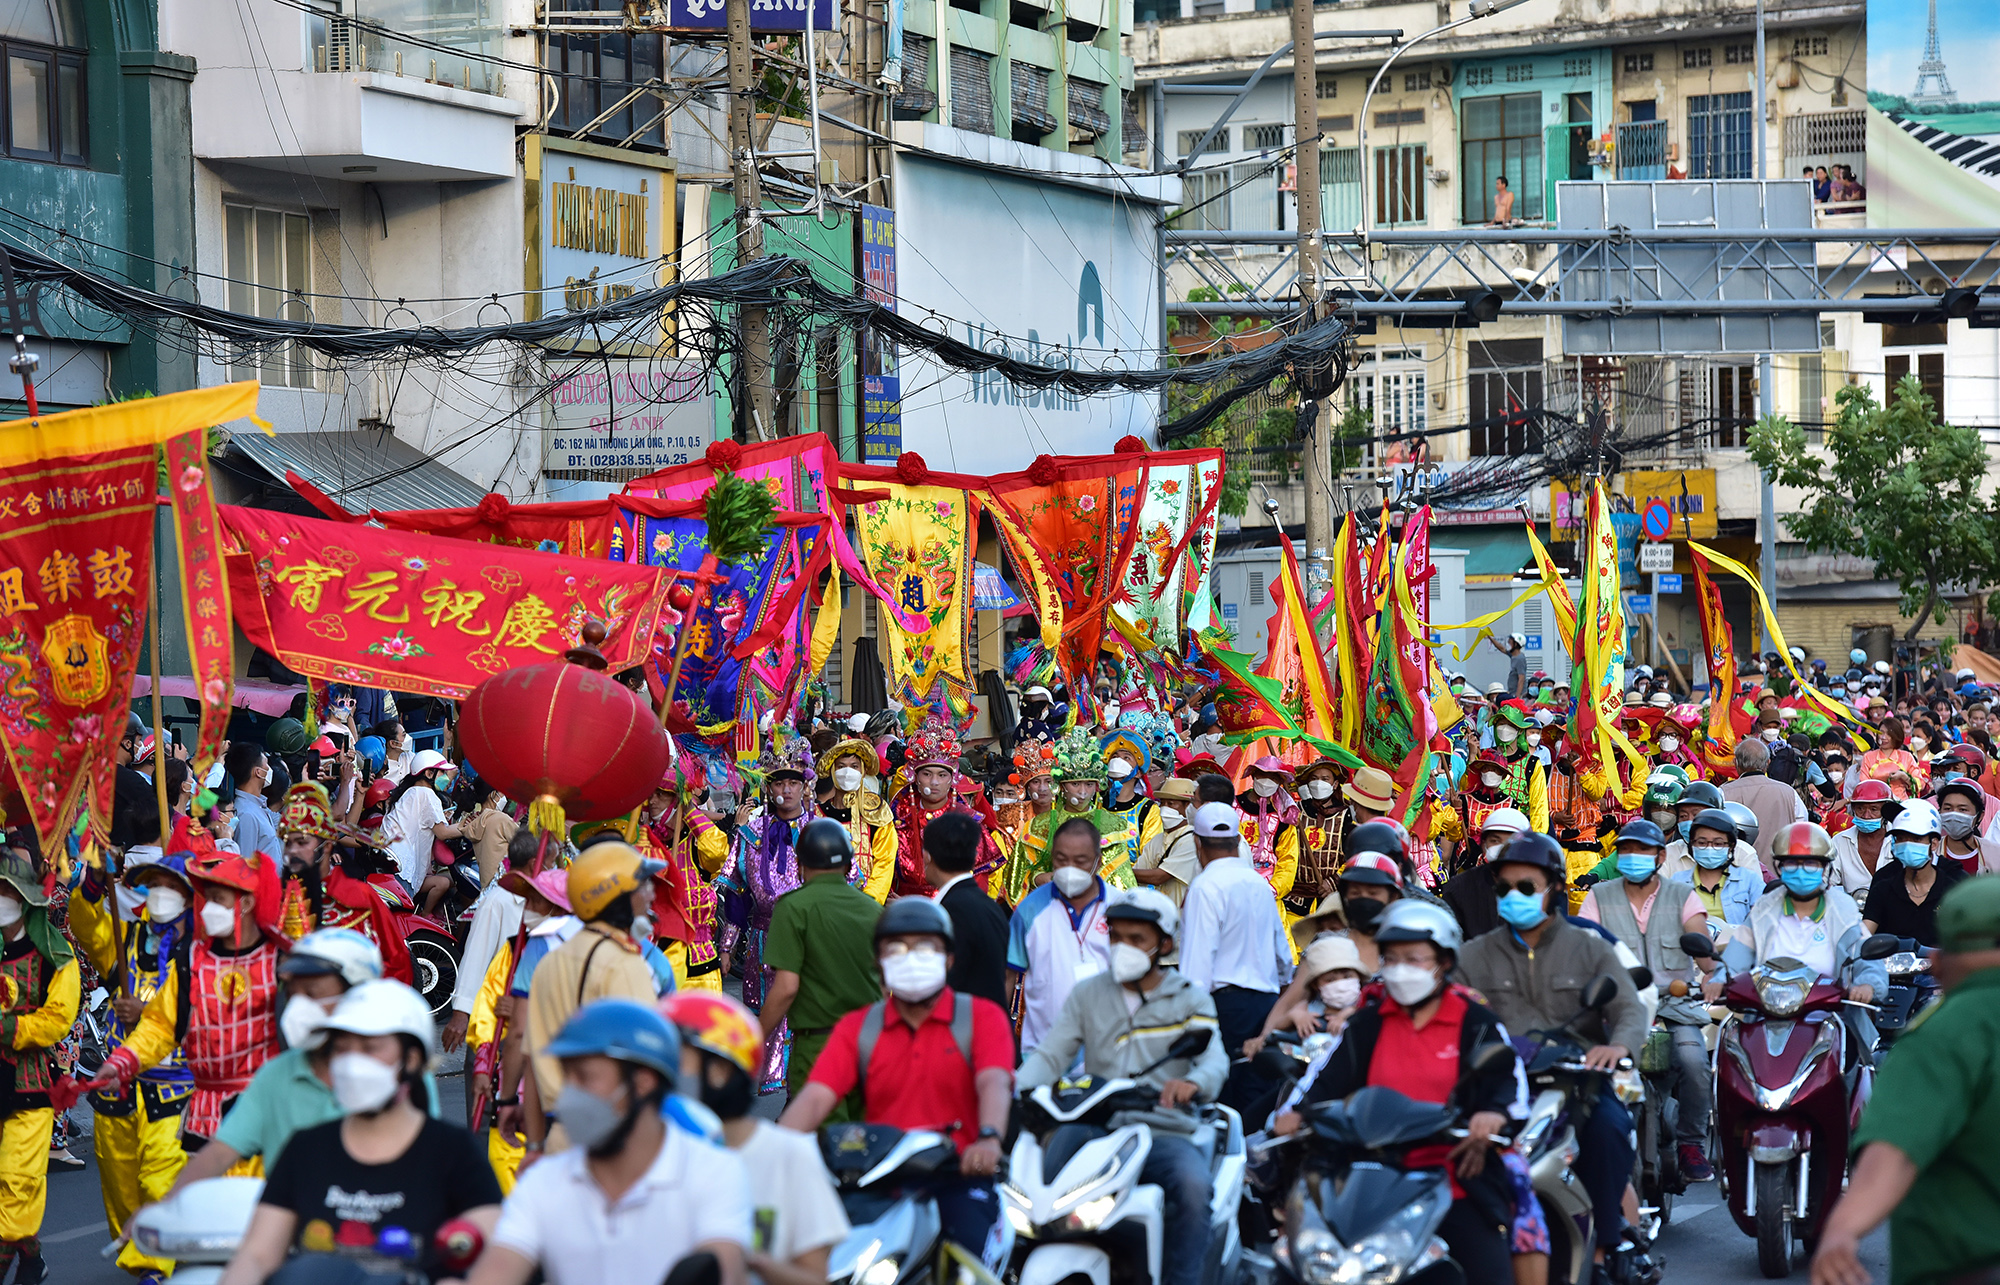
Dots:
pixel 1933 141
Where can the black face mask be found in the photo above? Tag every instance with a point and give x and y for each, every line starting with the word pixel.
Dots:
pixel 1362 912
pixel 733 1100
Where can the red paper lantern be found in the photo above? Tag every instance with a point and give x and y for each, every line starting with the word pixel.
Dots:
pixel 565 732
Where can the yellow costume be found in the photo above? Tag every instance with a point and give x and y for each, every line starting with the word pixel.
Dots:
pixel 870 822
pixel 39 990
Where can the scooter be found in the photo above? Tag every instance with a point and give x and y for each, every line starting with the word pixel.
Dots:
pixel 1912 989
pixel 882 1174
pixel 198 1227
pixel 1789 1086
pixel 1073 1199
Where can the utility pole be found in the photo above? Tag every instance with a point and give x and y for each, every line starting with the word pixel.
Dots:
pixel 756 372
pixel 1305 152
pixel 1767 516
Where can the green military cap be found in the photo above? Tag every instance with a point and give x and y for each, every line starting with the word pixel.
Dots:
pixel 1969 917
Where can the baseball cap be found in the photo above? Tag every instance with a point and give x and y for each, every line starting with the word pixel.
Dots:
pixel 1968 918
pixel 1215 821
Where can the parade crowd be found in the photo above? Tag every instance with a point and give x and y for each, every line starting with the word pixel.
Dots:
pixel 925 929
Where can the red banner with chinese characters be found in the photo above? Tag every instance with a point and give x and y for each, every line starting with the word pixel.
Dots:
pixel 76 549
pixel 415 613
pixel 204 589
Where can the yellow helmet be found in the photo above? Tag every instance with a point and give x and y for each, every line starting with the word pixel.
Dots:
pixel 604 873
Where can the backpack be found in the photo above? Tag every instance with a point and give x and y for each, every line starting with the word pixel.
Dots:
pixel 871 1031
pixel 1785 767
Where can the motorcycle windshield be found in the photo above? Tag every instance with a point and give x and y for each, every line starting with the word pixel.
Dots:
pixel 1378 1117
pixel 1358 1202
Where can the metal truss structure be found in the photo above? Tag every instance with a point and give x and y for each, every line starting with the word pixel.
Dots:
pixel 1474 275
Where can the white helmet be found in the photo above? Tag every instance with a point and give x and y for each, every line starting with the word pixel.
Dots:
pixel 344 951
pixel 1505 821
pixel 1917 818
pixel 425 760
pixel 1519 640
pixel 1882 667
pixel 1147 906
pixel 1412 920
pixel 384 1007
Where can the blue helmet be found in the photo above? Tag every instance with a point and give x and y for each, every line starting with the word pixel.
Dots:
pixel 374 750
pixel 623 1030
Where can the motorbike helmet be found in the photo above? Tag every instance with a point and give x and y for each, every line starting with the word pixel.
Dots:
pixel 373 751
pixel 1746 820
pixel 1372 867
pixel 1536 849
pixel 425 760
pixel 1419 921
pixel 378 792
pixel 1377 836
pixel 1146 906
pixel 1642 831
pixel 1701 792
pixel 1917 818
pixel 915 915
pixel 1802 839
pixel 1872 791
pixel 605 873
pixel 1719 820
pixel 1857 657
pixel 334 950
pixel 716 1024
pixel 623 1030
pixel 824 845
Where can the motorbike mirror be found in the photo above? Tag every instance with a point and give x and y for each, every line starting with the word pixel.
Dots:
pixel 696 1269
pixel 1880 946
pixel 1599 992
pixel 1697 945
pixel 1191 1044
pixel 1491 1054
pixel 1642 977
pixel 1273 1063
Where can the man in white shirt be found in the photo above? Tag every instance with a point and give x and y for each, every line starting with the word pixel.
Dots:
pixel 635 1195
pixel 1057 935
pixel 1233 942
pixel 496 917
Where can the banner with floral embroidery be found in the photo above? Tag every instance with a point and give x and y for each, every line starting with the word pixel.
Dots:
pixel 793 468
pixel 76 564
pixel 415 613
pixel 1197 564
pixel 580 528
pixel 916 547
pixel 1083 518
pixel 1156 583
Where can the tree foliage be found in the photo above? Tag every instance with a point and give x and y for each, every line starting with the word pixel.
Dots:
pixel 1895 486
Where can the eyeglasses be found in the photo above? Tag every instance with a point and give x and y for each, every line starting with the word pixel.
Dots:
pixel 1800 863
pixel 1527 887
pixel 897 949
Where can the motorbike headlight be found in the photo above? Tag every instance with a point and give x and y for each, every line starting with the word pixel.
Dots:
pixel 1320 1259
pixel 881 1272
pixel 1110 1169
pixel 1628 1087
pixel 1090 1215
pixel 1384 1255
pixel 1781 997
pixel 1018 1219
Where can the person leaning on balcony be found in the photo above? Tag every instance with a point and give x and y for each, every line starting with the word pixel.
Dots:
pixel 1503 202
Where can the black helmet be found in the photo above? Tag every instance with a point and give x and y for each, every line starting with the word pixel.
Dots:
pixel 134 725
pixel 1702 792
pixel 1715 819
pixel 1533 848
pixel 1642 831
pixel 914 915
pixel 1377 836
pixel 824 845
pixel 883 722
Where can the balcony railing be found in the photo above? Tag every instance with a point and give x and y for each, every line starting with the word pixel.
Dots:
pixel 450 42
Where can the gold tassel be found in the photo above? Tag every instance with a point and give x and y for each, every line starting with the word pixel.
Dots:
pixel 545 816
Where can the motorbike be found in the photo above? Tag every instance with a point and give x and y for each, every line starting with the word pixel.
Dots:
pixel 1073 1198
pixel 896 1237
pixel 1789 1086
pixel 1912 989
pixel 198 1227
pixel 1658 1179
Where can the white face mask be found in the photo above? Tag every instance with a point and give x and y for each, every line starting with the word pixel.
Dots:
pixel 1505 735
pixel 1264 786
pixel 218 920
pixel 164 905
pixel 1319 789
pixel 1668 744
pixel 914 976
pixel 1491 780
pixel 847 778
pixel 10 912
pixel 300 1019
pixel 1072 882
pixel 1534 740
pixel 1129 963
pixel 1769 734
pixel 1493 850
pixel 1836 774
pixel 1342 992
pixel 1118 769
pixel 1171 817
pixel 533 919
pixel 1409 984
pixel 361 1084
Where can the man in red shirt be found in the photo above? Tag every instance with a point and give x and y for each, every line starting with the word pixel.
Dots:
pixel 924 1058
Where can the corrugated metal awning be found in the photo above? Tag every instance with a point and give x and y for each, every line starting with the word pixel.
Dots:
pixel 361 470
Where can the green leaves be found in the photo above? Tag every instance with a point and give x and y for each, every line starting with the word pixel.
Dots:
pixel 1892 485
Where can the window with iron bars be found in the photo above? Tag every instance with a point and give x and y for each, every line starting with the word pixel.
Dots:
pixel 1719 128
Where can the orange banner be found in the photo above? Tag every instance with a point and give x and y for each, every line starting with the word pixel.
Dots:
pixel 414 613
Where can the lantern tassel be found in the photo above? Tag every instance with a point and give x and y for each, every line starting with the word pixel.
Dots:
pixel 545 816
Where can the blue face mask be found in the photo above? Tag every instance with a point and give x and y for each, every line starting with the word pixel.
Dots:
pixel 1912 853
pixel 1868 826
pixel 1637 867
pixel 1952 774
pixel 1684 828
pixel 1712 858
pixel 1519 910
pixel 1805 881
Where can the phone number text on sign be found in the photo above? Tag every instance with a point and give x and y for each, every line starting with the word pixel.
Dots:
pixel 643 414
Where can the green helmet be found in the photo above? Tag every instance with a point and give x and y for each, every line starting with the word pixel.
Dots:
pixel 1664 786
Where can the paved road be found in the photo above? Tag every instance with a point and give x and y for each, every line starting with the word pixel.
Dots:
pixel 1703 1244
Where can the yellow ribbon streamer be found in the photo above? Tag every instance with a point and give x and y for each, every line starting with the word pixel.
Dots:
pixel 1813 696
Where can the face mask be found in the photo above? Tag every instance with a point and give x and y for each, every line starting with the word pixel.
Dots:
pixel 361 1084
pixel 1918 745
pixel 1264 787
pixel 1806 881
pixel 300 1019
pixel 1129 963
pixel 1958 824
pixel 733 1100
pixel 1072 882
pixel 1868 825
pixel 1493 850
pixel 847 778
pixel 164 905
pixel 218 920
pixel 1534 740
pixel 1118 769
pixel 1005 800
pixel 1319 789
pixel 1769 734
pixel 1342 992
pixel 1914 853
pixel 1712 858
pixel 1362 912
pixel 1951 774
pixel 1171 817
pixel 1409 984
pixel 642 928
pixel 1668 744
pixel 1836 774
pixel 1519 910
pixel 1682 828
pixel 1663 818
pixel 130 901
pixel 1637 867
pixel 1505 735
pixel 1491 780
pixel 588 1119
pixel 10 912
pixel 533 919
pixel 914 976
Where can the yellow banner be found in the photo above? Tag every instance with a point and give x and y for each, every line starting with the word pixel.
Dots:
pixel 1834 710
pixel 145 421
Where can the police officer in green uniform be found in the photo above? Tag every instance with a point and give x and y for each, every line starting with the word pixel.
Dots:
pixel 1927 1140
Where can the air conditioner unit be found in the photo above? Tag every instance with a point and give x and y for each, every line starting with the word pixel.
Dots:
pixel 1441 75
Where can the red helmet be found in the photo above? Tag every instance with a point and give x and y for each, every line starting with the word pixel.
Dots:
pixel 1801 839
pixel 379 791
pixel 1872 791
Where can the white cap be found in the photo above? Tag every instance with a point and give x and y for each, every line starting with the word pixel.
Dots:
pixel 384 1007
pixel 857 723
pixel 428 759
pixel 1510 820
pixel 1215 821
pixel 1328 953
pixel 1039 690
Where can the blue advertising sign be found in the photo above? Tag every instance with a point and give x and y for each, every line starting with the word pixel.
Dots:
pixel 881 378
pixel 765 15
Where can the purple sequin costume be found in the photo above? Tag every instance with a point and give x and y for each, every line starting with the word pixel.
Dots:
pixel 762 868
